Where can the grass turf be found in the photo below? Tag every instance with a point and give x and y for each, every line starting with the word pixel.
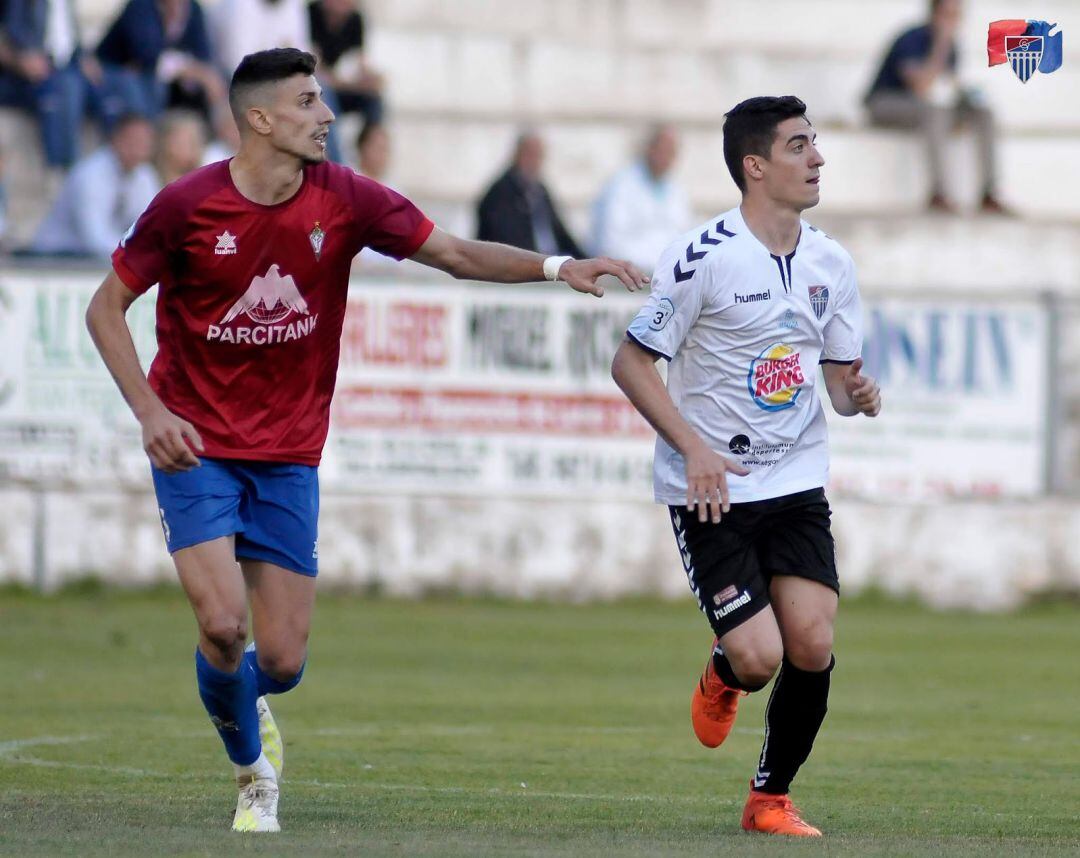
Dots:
pixel 472 728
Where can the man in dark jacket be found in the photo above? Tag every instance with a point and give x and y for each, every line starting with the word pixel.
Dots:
pixel 517 209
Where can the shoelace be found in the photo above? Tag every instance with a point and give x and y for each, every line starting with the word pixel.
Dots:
pixel 782 802
pixel 253 794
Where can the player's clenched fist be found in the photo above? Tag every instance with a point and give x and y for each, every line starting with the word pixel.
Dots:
pixel 168 440
pixel 863 390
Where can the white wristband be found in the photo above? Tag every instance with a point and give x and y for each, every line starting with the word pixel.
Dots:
pixel 552 265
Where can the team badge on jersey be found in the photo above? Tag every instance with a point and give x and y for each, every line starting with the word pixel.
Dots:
pixel 317 237
pixel 819 299
pixel 776 377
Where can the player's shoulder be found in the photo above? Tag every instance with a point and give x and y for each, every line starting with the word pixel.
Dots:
pixel 703 248
pixel 825 247
pixel 339 178
pixel 194 187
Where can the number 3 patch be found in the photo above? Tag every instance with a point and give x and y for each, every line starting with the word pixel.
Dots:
pixel 664 311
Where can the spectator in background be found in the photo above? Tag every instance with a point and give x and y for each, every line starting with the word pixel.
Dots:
pixel 373 155
pixel 155 55
pixel 517 209
pixel 917 87
pixel 47 73
pixel 641 210
pixel 337 32
pixel 242 27
pixel 373 152
pixel 226 137
pixel 181 142
pixel 103 194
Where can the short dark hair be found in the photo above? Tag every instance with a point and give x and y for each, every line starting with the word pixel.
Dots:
pixel 266 67
pixel 750 128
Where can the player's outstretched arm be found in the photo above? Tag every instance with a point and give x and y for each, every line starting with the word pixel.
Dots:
pixel 500 263
pixel 634 370
pixel 850 391
pixel 166 437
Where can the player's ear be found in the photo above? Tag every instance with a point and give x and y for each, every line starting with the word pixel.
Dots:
pixel 752 166
pixel 258 119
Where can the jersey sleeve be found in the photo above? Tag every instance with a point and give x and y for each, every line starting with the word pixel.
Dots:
pixel 145 251
pixel 844 330
pixel 663 323
pixel 387 221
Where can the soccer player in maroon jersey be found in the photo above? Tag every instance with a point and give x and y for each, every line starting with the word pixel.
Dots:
pixel 252 256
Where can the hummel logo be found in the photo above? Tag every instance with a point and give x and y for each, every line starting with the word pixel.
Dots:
pixel 226 244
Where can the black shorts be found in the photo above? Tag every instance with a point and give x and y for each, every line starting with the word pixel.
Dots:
pixel 730 564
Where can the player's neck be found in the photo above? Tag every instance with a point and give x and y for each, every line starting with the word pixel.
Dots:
pixel 776 227
pixel 266 180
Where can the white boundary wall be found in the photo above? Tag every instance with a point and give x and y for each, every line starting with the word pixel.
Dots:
pixel 523 473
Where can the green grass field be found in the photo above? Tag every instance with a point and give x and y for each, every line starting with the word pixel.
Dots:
pixel 472 728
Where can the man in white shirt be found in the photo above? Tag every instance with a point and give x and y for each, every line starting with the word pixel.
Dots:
pixel 641 209
pixel 103 195
pixel 745 307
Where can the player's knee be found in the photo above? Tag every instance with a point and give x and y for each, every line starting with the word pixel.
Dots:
pixel 754 666
pixel 226 633
pixel 284 667
pixel 811 649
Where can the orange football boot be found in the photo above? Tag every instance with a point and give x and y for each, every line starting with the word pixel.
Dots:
pixel 775 814
pixel 713 707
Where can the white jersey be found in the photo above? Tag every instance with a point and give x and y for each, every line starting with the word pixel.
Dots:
pixel 744 331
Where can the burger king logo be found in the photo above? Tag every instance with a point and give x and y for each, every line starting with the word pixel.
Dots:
pixel 776 377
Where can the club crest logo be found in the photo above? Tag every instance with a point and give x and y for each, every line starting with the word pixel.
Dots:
pixel 819 300
pixel 317 237
pixel 1027 46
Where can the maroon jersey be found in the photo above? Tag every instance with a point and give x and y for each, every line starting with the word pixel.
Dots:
pixel 252 298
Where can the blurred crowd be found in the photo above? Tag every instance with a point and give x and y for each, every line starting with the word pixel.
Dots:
pixel 148 103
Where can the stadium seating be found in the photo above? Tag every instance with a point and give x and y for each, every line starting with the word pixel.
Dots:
pixel 464 77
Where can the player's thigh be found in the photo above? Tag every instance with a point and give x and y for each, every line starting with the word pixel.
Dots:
pixel 806 613
pixel 199 512
pixel 282 602
pixel 798 558
pixel 215 589
pixel 279 511
pixel 722 566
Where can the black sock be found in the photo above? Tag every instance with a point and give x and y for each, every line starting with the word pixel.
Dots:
pixel 726 673
pixel 793 717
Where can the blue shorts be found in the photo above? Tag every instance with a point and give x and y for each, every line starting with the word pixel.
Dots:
pixel 273 509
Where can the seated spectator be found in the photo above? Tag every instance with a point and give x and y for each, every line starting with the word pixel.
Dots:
pixel 641 210
pixel 181 142
pixel 102 195
pixel 155 55
pixel 46 73
pixel 337 33
pixel 373 155
pixel 517 209
pixel 226 138
pixel 373 152
pixel 917 87
pixel 242 27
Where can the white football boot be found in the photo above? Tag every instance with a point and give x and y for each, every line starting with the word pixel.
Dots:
pixel 270 736
pixel 256 808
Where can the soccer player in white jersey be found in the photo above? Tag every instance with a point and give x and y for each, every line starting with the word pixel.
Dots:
pixel 744 307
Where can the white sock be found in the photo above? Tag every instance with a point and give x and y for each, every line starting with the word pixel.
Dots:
pixel 261 768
